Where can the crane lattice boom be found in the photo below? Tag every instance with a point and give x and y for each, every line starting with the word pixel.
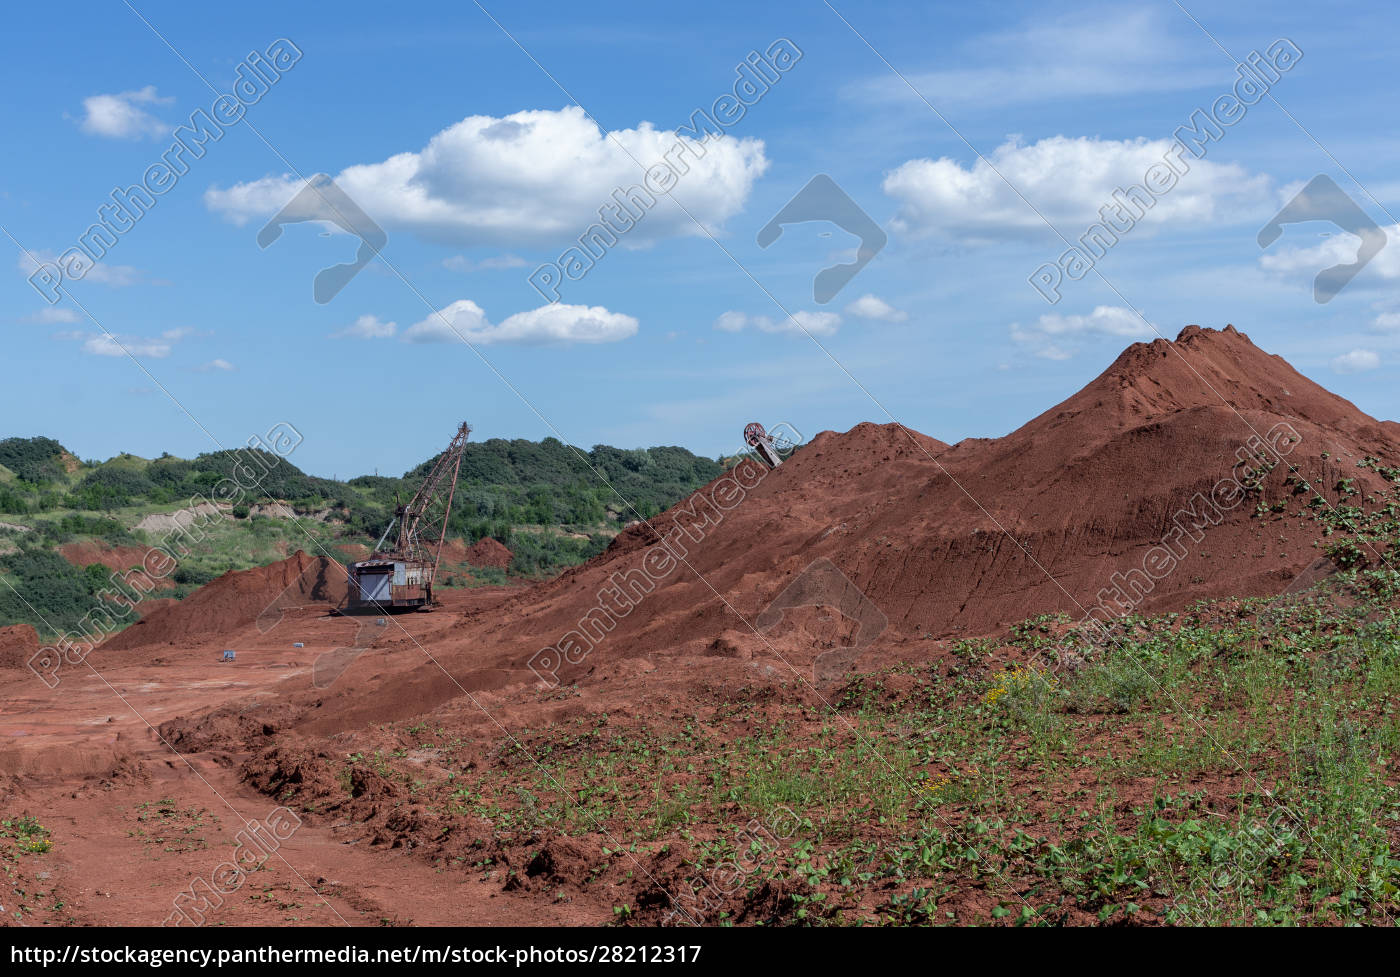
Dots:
pixel 403 574
pixel 410 546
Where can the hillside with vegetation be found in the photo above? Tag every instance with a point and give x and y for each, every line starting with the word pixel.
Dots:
pixel 67 524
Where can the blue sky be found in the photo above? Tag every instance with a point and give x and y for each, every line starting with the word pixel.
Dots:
pixel 448 130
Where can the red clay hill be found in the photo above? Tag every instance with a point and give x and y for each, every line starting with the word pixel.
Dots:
pixel 945 541
pixel 234 600
pixel 18 643
pixel 1067 513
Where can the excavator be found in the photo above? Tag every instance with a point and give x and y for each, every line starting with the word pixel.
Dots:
pixel 401 576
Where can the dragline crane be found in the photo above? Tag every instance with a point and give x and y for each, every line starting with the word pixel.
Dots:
pixel 403 574
pixel 770 447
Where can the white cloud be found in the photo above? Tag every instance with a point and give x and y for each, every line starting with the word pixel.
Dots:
pixel 1069 181
pixel 116 276
pixel 1108 320
pixel 1053 336
pixel 459 263
pixel 1357 361
pixel 107 344
pixel 1073 56
pixel 222 366
pixel 814 323
pixel 367 327
pixel 104 345
pixel 536 176
pixel 52 315
pixel 120 117
pixel 871 307
pixel 463 316
pixel 1386 322
pixel 549 325
pixel 1302 263
pixel 732 322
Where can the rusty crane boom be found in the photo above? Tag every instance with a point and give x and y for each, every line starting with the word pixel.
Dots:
pixel 402 575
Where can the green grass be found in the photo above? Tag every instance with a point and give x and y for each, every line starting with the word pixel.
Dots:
pixel 29 835
pixel 1227 765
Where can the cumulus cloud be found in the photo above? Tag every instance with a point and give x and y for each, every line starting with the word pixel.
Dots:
pixel 815 323
pixel 1069 180
pixel 536 176
pixel 449 325
pixel 1357 361
pixel 103 344
pixel 555 324
pixel 871 307
pixel 1302 263
pixel 121 116
pixel 213 366
pixel 117 344
pixel 367 327
pixel 1056 337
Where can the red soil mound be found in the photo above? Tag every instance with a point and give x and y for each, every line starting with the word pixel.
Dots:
pixel 454 551
pixel 485 552
pixel 488 552
pixel 236 599
pixel 151 605
pixel 879 538
pixel 960 540
pixel 18 642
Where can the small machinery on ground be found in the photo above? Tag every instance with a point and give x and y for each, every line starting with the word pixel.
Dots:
pixel 401 576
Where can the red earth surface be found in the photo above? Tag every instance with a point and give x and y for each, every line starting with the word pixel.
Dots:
pixel 146 760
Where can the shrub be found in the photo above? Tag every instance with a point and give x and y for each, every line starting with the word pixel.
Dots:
pixel 35 460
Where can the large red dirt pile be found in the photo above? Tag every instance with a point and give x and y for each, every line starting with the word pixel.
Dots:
pixel 485 552
pixel 18 642
pixel 696 632
pixel 236 599
pixel 951 541
pixel 912 539
pixel 488 552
